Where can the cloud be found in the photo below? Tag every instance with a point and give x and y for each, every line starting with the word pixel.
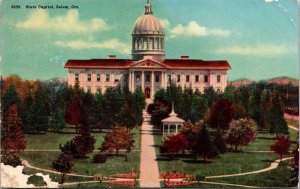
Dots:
pixel 165 23
pixel 270 1
pixel 111 44
pixel 70 22
pixel 257 50
pixel 194 29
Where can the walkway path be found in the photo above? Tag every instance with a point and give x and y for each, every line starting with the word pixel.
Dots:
pixel 273 165
pixel 293 127
pixel 149 174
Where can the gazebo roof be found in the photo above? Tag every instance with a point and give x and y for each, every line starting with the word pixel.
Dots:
pixel 173 117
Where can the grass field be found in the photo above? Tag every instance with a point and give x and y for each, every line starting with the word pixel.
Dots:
pixel 229 163
pixel 274 178
pixel 52 140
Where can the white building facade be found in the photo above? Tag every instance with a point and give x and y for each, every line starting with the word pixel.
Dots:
pixel 148 67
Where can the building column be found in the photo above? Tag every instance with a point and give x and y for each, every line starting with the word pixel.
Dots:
pixel 152 84
pixel 129 81
pixel 163 131
pixel 162 80
pixel 168 129
pixel 176 129
pixel 133 80
pixel 143 81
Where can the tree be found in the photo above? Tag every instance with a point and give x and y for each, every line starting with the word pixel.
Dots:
pixel 73 114
pixel 160 112
pixel 219 142
pixel 189 131
pixel 174 144
pixel 203 145
pixel 254 107
pixel 221 114
pixel 240 110
pixel 13 139
pixel 63 164
pixel 265 108
pixel 210 96
pixel 57 123
pixel 116 139
pixel 127 117
pixel 241 132
pixel 277 121
pixel 10 97
pixel 198 107
pixel 281 145
pixel 38 116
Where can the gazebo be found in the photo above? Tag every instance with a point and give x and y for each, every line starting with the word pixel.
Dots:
pixel 171 124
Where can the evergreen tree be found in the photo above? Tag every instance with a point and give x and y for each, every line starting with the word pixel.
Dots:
pixel 203 145
pixel 38 116
pixel 210 95
pixel 254 107
pixel 73 114
pixel 198 108
pixel 26 106
pixel 277 121
pixel 12 139
pixel 265 108
pixel 229 93
pixel 57 123
pixel 10 97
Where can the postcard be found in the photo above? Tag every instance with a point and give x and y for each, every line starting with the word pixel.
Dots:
pixel 149 93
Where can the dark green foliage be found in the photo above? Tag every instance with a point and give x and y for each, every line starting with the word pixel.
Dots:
pixel 160 112
pixel 229 93
pixel 99 158
pixel 57 123
pixel 11 159
pixel 26 106
pixel 219 142
pixel 265 108
pixel 203 145
pixel 36 180
pixel 255 112
pixel 210 95
pixel 37 116
pixel 277 121
pixel 10 97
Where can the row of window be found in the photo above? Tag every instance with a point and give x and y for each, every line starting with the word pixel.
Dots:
pixel 147 78
pixel 197 78
pixel 98 78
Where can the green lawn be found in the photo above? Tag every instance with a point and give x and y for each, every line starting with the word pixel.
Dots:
pixel 274 178
pixel 51 140
pixel 228 163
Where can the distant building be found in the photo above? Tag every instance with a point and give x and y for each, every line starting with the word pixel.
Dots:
pixel 148 67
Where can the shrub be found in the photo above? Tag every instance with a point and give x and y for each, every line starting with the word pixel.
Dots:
pixel 36 180
pixel 150 108
pixel 11 159
pixel 99 158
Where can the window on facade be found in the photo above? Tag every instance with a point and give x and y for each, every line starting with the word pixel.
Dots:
pixel 89 77
pixel 107 77
pixel 196 78
pixel 138 78
pixel 169 78
pixel 147 78
pixel 157 78
pixel 206 78
pixel 98 77
pixel 76 77
pixel 218 78
pixel 187 78
pixel 178 78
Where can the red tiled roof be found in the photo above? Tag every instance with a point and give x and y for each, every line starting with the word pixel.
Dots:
pixel 196 64
pixel 125 63
pixel 99 63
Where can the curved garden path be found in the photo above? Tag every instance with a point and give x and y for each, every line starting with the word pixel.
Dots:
pixel 273 165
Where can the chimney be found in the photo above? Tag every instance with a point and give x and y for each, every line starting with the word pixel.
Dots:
pixel 184 57
pixel 111 57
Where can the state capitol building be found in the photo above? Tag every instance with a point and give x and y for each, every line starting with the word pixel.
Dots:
pixel 148 67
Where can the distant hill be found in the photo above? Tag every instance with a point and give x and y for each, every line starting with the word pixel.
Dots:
pixel 284 81
pixel 241 82
pixel 276 80
pixel 56 79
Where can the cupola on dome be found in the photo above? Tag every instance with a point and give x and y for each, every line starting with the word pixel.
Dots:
pixel 148 24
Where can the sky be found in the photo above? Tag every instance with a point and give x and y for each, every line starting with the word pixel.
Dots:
pixel 259 38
